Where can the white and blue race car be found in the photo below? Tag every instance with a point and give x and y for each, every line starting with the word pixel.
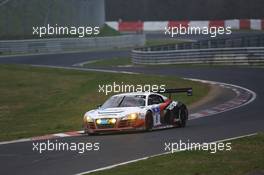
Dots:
pixel 137 111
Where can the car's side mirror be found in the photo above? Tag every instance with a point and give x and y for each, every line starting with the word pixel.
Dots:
pixel 99 106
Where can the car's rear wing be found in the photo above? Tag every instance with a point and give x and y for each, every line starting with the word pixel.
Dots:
pixel 189 91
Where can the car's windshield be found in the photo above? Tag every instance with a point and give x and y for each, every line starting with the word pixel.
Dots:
pixel 125 101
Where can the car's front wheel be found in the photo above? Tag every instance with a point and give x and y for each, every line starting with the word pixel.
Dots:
pixel 149 121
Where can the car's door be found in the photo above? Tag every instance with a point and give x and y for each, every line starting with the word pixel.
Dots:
pixel 154 101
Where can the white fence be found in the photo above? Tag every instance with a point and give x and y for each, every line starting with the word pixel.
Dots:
pixel 249 55
pixel 70 44
pixel 244 50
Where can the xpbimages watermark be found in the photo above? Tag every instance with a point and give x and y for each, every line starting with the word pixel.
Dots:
pixel 123 88
pixel 191 146
pixel 195 30
pixel 80 31
pixel 51 146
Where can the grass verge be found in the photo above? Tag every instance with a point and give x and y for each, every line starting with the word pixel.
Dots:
pixel 105 30
pixel 108 31
pixel 246 157
pixel 36 101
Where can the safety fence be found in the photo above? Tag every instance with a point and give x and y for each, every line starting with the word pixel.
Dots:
pixel 243 50
pixel 70 44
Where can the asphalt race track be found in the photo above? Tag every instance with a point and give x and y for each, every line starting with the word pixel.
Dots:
pixel 19 158
pixel 63 59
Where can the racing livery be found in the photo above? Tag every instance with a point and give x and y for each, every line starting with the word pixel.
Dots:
pixel 137 111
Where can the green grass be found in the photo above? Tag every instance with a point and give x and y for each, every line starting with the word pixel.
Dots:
pixel 246 156
pixel 112 62
pixel 36 101
pixel 108 31
pixel 105 30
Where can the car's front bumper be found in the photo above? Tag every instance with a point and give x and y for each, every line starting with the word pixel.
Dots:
pixel 119 126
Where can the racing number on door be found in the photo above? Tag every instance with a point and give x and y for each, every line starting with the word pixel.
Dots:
pixel 156 116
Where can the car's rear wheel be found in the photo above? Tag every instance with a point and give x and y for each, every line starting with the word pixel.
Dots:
pixel 183 116
pixel 149 121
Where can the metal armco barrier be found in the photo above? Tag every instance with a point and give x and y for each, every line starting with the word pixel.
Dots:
pixel 70 44
pixel 246 50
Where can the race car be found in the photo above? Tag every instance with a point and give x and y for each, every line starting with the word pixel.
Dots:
pixel 137 111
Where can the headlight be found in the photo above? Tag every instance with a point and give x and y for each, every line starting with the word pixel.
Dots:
pixel 98 121
pixel 113 121
pixel 88 119
pixel 132 116
pixel 109 121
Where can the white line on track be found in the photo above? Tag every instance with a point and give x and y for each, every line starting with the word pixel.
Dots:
pixel 15 141
pixel 61 135
pixel 145 158
pixel 86 69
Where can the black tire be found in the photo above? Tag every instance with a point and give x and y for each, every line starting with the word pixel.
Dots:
pixel 149 121
pixel 183 116
pixel 173 115
pixel 92 134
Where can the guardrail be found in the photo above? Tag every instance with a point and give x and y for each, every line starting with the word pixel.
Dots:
pixel 245 50
pixel 70 44
pixel 249 55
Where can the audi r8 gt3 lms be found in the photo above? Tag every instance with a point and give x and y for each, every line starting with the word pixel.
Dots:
pixel 137 111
